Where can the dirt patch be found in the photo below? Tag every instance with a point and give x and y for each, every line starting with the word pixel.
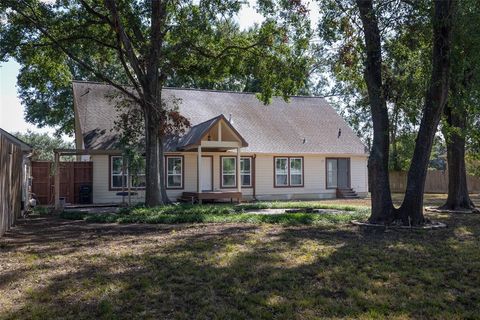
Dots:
pixel 114 209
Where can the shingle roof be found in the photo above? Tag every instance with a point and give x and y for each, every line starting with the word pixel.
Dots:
pixel 302 125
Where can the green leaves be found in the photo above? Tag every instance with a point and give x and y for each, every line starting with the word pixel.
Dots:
pixel 203 46
pixel 43 145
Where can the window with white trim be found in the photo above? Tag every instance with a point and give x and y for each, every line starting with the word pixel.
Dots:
pixel 229 172
pixel 246 171
pixel 174 172
pixel 296 171
pixel 281 172
pixel 117 172
pixel 288 172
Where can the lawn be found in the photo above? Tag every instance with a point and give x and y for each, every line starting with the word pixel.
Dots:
pixel 430 199
pixel 53 268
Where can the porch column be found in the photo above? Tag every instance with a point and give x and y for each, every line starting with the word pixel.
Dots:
pixel 199 164
pixel 239 176
pixel 57 181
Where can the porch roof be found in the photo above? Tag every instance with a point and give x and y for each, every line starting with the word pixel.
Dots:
pixel 194 136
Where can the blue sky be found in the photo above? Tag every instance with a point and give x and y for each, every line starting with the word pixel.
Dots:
pixel 11 110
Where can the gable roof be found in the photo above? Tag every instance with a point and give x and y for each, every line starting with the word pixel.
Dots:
pixel 23 145
pixel 194 136
pixel 302 125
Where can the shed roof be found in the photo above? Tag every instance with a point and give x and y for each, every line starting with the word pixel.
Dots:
pixel 301 125
pixel 23 145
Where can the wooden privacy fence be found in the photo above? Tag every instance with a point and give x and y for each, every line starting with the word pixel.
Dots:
pixel 73 175
pixel 11 159
pixel 436 182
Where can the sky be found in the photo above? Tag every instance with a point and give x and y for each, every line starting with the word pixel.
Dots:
pixel 12 111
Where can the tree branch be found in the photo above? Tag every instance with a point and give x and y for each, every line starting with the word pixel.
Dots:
pixel 225 51
pixel 96 13
pixel 73 38
pixel 123 39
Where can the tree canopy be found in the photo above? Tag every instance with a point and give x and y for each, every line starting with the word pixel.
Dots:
pixel 203 47
pixel 147 45
pixel 43 144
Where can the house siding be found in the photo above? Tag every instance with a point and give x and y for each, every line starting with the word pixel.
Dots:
pixel 359 177
pixel 313 178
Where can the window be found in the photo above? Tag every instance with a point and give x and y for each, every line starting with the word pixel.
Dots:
pixel 229 172
pixel 246 171
pixel 118 175
pixel 296 171
pixel 281 172
pixel 174 172
pixel 288 172
pixel 332 173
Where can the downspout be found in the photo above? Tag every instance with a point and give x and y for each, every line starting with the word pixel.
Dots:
pixel 254 177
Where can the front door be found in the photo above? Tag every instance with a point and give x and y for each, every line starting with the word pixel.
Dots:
pixel 206 174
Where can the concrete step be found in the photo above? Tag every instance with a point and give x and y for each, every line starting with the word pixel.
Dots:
pixel 347 193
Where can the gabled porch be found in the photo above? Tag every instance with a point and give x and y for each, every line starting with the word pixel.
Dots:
pixel 214 135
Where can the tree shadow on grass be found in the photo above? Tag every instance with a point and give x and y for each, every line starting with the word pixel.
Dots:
pixel 264 272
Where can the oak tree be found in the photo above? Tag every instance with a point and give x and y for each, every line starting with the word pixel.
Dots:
pixel 153 41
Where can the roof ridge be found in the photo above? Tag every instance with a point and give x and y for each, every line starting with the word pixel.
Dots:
pixel 214 118
pixel 199 89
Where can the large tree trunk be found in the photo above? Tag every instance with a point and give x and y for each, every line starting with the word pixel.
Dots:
pixel 154 117
pixel 458 197
pixel 382 206
pixel 411 211
pixel 155 193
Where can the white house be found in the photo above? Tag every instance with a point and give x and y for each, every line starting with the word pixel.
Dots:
pixel 237 147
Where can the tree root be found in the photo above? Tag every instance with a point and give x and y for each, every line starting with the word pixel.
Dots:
pixel 456 210
pixel 397 224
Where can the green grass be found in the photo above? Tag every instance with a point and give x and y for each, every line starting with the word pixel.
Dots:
pixel 223 214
